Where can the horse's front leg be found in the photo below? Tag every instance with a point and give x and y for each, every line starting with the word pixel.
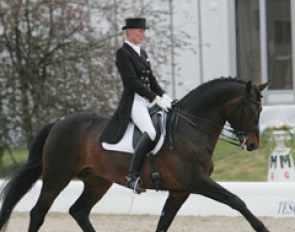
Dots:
pixel 212 190
pixel 171 207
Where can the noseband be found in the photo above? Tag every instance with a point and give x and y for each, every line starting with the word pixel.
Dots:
pixel 240 131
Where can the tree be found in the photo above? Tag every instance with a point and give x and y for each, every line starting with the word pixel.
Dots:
pixel 57 57
pixel 47 52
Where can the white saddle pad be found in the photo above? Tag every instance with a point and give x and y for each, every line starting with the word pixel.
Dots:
pixel 126 143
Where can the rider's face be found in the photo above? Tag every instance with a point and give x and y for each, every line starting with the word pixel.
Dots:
pixel 135 35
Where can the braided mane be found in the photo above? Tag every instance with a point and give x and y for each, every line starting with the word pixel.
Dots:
pixel 217 81
pixel 214 83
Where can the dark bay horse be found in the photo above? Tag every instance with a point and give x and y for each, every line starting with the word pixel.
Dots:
pixel 70 149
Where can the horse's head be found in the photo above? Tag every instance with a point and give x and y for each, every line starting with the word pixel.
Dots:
pixel 244 114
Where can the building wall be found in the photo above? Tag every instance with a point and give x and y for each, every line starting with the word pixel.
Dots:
pixel 216 39
pixel 210 23
pixel 187 70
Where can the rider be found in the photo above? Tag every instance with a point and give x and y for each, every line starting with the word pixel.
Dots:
pixel 141 90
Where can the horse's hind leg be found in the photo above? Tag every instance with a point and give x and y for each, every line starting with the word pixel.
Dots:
pixel 212 190
pixel 50 190
pixel 172 205
pixel 94 189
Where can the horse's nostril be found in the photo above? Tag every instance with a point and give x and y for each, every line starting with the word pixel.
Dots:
pixel 252 146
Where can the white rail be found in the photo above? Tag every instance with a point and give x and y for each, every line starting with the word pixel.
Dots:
pixel 274 199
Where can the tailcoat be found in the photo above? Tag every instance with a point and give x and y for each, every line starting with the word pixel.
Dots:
pixel 137 76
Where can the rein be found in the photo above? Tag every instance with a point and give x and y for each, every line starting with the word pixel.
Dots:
pixel 240 132
pixel 192 120
pixel 229 139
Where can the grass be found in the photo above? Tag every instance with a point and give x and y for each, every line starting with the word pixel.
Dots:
pixel 231 162
pixel 10 163
pixel 234 164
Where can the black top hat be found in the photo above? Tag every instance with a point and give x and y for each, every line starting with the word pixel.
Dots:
pixel 135 23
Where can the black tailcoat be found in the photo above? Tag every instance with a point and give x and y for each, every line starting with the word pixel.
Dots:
pixel 137 77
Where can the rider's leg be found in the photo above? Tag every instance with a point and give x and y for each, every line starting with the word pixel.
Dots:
pixel 141 118
pixel 141 149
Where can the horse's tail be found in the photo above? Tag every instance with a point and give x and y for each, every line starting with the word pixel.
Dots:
pixel 23 180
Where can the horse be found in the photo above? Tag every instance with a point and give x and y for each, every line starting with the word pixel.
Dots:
pixel 70 148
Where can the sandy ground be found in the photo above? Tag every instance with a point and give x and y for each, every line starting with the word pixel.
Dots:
pixel 58 222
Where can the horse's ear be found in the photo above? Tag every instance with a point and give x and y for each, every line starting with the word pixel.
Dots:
pixel 249 87
pixel 263 86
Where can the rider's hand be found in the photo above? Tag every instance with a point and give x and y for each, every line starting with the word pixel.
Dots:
pixel 162 103
pixel 167 98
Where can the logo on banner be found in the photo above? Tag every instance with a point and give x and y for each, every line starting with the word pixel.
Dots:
pixel 286 209
pixel 281 166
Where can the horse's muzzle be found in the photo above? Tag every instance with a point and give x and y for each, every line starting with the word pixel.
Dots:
pixel 252 142
pixel 249 142
pixel 252 147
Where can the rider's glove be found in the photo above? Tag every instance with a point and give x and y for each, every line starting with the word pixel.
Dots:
pixel 167 98
pixel 162 103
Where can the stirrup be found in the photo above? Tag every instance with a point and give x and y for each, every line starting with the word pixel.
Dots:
pixel 135 185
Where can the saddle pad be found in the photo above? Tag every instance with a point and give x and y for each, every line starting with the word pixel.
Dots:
pixel 126 143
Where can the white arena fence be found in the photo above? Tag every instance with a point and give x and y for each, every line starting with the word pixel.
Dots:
pixel 274 199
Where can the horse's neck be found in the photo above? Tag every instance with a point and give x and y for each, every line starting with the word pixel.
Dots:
pixel 211 108
pixel 199 109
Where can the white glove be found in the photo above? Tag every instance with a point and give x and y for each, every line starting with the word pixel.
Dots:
pixel 167 98
pixel 162 103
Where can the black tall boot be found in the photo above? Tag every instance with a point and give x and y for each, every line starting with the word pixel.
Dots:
pixel 141 149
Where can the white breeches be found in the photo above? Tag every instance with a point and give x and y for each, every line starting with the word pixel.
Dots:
pixel 141 117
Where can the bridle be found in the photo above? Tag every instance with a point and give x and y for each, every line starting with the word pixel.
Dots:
pixel 240 131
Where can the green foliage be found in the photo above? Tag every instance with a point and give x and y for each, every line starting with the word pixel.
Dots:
pixel 8 165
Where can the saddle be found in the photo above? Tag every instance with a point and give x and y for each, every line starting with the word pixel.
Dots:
pixel 132 134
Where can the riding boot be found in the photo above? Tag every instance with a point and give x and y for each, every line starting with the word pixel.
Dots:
pixel 142 147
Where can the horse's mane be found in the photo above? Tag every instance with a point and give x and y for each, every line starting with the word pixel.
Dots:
pixel 214 83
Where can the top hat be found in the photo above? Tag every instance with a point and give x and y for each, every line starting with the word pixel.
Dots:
pixel 135 23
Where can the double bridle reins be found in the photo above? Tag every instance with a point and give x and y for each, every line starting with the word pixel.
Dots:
pixel 240 131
